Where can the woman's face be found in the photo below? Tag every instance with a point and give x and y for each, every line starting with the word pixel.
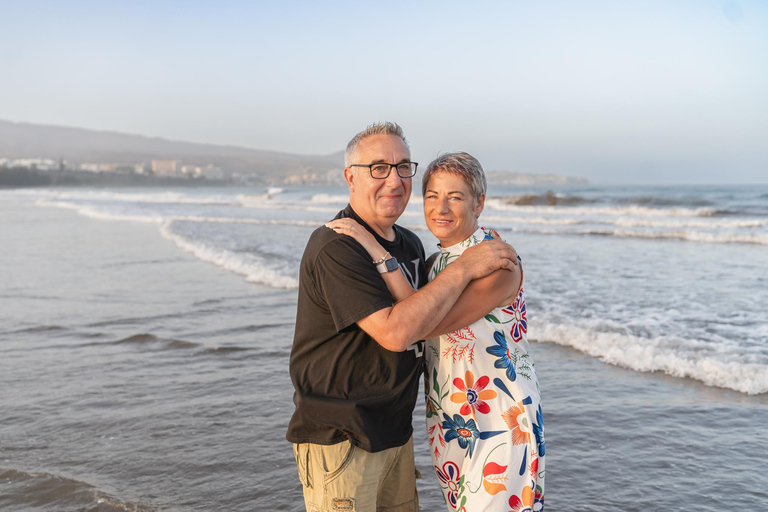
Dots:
pixel 450 208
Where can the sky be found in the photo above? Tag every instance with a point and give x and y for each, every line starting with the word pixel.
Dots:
pixel 630 92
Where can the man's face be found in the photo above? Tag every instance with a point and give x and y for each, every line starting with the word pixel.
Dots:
pixel 379 202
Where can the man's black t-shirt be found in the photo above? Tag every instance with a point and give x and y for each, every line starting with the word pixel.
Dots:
pixel 347 385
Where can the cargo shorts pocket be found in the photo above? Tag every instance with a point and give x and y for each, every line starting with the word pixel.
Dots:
pixel 301 454
pixel 336 459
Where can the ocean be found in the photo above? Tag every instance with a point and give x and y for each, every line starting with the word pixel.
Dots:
pixel 145 335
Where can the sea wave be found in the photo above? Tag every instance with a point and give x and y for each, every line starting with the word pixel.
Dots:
pixel 631 210
pixel 95 213
pixel 341 199
pixel 549 198
pixel 23 490
pixel 256 269
pixel 650 222
pixel 710 223
pixel 678 357
pixel 150 340
pixel 265 202
pixel 98 213
pixel 127 197
pixel 684 235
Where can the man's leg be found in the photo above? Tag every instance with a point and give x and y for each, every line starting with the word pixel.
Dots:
pixel 398 490
pixel 342 477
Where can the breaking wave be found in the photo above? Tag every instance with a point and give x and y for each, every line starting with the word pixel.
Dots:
pixel 679 357
pixel 257 269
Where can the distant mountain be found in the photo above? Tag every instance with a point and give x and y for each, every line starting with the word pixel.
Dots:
pixel 78 145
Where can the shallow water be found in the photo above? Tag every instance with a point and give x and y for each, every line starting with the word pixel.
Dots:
pixel 137 377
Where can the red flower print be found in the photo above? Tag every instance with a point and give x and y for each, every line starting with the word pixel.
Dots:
pixel 522 503
pixel 518 311
pixel 450 480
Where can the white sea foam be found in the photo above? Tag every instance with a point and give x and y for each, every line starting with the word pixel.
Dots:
pixel 256 269
pixel 631 210
pixel 678 357
pixel 261 222
pixel 630 222
pixel 537 220
pixel 685 235
pixel 265 202
pixel 95 213
pixel 330 199
pixel 710 223
pixel 123 197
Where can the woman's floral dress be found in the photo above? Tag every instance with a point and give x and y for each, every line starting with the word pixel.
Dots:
pixel 484 421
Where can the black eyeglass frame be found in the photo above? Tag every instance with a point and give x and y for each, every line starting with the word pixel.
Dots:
pixel 414 166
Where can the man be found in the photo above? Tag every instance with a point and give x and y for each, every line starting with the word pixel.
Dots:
pixel 355 362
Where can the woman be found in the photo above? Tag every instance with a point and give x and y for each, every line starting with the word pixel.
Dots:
pixel 484 420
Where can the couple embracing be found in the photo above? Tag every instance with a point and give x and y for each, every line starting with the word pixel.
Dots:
pixel 367 299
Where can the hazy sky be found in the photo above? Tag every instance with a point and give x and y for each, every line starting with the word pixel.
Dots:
pixel 672 91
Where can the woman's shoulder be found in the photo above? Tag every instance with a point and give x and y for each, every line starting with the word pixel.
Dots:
pixel 431 260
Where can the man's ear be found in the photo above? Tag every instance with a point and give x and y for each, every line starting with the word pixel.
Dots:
pixel 349 177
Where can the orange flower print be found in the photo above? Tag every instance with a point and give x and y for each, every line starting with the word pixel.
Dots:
pixel 472 394
pixel 519 423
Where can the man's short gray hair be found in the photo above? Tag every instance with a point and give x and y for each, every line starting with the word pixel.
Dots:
pixel 463 164
pixel 385 128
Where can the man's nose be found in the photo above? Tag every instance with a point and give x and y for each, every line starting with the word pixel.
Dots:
pixel 394 180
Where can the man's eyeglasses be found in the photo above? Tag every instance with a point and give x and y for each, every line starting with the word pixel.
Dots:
pixel 381 171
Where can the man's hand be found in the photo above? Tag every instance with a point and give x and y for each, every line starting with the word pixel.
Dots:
pixel 484 258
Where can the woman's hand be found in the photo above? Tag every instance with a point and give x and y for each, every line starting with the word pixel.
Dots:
pixel 351 227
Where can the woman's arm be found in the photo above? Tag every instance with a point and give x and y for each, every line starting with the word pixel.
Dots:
pixel 480 297
pixel 396 282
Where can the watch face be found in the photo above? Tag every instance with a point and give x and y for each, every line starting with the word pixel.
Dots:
pixel 391 264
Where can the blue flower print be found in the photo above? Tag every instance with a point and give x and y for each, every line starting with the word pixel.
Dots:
pixel 538 431
pixel 502 352
pixel 465 432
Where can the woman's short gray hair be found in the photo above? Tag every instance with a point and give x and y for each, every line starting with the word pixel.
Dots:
pixel 385 128
pixel 463 164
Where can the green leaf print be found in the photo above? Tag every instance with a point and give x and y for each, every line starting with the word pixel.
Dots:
pixel 441 263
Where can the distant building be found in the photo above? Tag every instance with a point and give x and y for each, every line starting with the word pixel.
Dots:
pixel 140 168
pixel 191 171
pixel 91 167
pixel 211 172
pixel 164 167
pixel 5 162
pixel 41 164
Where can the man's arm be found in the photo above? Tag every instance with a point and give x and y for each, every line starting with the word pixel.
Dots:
pixel 479 297
pixel 398 327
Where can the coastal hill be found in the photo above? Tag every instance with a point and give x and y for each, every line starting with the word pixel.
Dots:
pixel 80 148
pixel 26 140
